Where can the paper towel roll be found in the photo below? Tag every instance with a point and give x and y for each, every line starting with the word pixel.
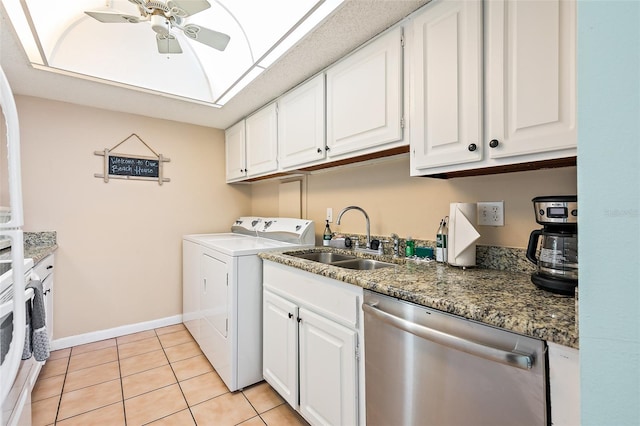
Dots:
pixel 462 234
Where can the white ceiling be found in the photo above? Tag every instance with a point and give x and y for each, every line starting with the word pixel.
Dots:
pixel 355 22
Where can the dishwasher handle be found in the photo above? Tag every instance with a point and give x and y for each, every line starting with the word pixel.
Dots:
pixel 514 359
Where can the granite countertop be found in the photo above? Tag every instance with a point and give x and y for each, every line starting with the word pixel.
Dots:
pixel 503 299
pixel 37 246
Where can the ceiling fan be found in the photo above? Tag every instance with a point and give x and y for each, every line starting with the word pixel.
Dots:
pixel 165 16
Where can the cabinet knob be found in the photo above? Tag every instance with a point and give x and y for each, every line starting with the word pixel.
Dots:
pixel 319 150
pixel 472 147
pixel 494 143
pixel 290 315
pixel 326 148
pixel 299 320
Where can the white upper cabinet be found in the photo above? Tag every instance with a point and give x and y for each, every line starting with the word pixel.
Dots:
pixel 531 78
pixel 262 141
pixel 529 84
pixel 364 98
pixel 446 84
pixel 235 152
pixel 301 125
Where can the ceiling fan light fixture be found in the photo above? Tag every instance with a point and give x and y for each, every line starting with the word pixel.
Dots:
pixel 159 24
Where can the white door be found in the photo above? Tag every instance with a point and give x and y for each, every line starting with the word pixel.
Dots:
pixel 364 97
pixel 446 84
pixel 262 141
pixel 301 124
pixel 530 76
pixel 235 151
pixel 280 346
pixel 328 373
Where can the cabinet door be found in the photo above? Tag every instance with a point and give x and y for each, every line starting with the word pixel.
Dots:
pixel 446 84
pixel 235 152
pixel 262 141
pixel 364 97
pixel 564 384
pixel 328 374
pixel 280 346
pixel 530 76
pixel 301 124
pixel 45 271
pixel 191 287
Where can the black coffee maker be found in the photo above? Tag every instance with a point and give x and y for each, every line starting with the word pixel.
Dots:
pixel 557 256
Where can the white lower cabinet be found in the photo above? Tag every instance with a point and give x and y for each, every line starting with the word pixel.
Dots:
pixel 564 384
pixel 44 271
pixel 328 393
pixel 280 346
pixel 311 339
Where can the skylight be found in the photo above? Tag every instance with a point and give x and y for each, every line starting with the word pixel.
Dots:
pixel 59 36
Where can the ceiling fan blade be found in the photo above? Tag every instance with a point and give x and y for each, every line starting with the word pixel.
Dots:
pixel 189 7
pixel 168 44
pixel 206 36
pixel 113 17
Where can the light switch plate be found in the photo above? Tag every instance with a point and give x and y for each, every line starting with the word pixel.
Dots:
pixel 330 214
pixel 491 213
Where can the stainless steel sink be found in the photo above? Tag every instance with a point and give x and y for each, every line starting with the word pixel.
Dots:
pixel 322 256
pixel 342 260
pixel 362 264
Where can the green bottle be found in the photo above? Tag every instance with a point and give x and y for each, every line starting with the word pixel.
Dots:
pixel 410 247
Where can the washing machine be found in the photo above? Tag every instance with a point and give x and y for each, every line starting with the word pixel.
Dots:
pixel 222 291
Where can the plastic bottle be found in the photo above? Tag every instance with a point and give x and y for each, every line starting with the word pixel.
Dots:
pixel 440 242
pixel 410 248
pixel 326 237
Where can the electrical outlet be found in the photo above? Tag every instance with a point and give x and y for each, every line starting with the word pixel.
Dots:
pixel 491 213
pixel 330 214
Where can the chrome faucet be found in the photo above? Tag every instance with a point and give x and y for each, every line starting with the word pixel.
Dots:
pixel 366 216
pixel 396 245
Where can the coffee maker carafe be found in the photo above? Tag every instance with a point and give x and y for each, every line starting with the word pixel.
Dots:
pixel 557 258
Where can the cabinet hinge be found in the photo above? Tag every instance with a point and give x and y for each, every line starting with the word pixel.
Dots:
pixel 402 123
pixel 227 280
pixel 357 352
pixel 402 40
pixel 226 325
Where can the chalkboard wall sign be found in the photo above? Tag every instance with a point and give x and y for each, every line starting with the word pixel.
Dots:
pixel 124 166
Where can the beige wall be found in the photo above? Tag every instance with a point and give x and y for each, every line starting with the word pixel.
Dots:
pixel 119 258
pixel 414 206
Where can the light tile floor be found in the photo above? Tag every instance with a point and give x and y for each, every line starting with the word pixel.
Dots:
pixel 157 377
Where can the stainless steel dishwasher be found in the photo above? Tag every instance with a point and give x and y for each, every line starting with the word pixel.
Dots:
pixel 426 367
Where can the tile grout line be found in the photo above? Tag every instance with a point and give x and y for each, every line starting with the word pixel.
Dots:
pixel 64 381
pixel 124 407
pixel 174 375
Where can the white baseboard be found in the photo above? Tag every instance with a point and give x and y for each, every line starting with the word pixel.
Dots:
pixel 95 336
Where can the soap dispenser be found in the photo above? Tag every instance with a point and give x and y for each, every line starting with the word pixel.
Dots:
pixel 410 247
pixel 326 237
